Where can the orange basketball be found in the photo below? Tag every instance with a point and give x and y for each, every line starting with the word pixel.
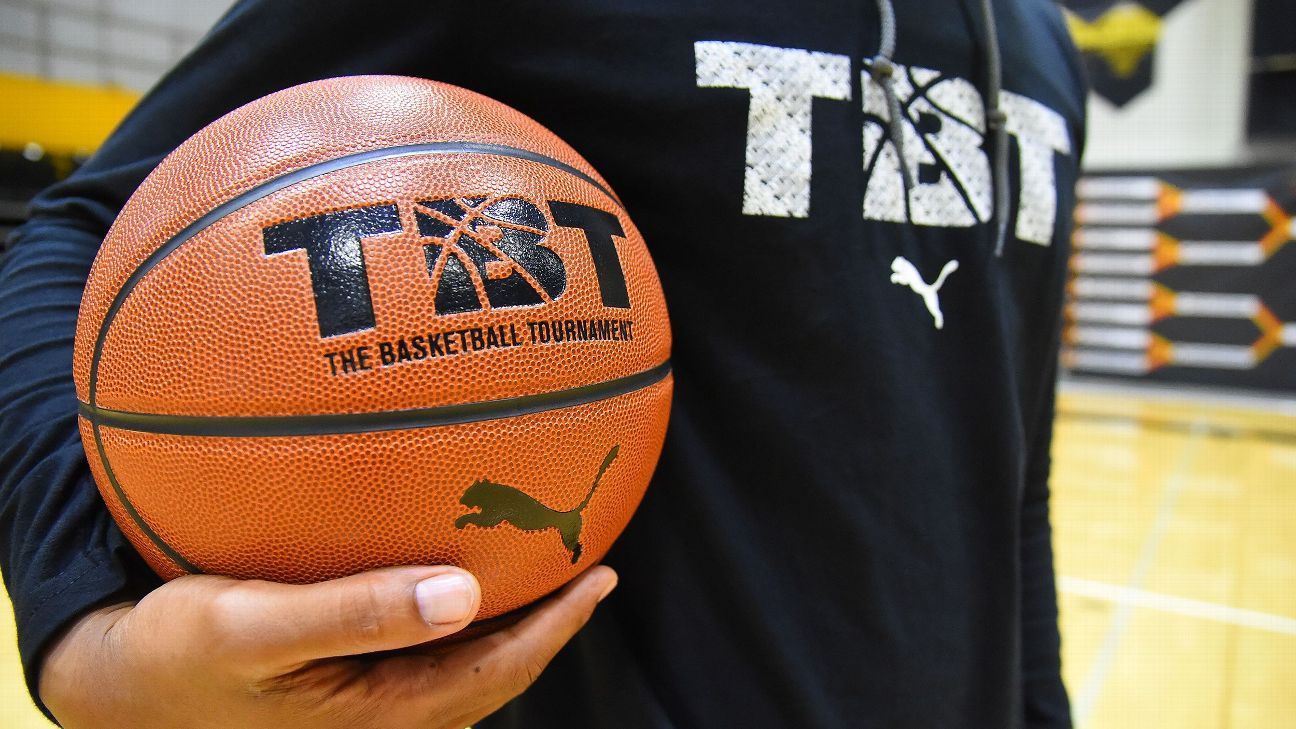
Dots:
pixel 374 321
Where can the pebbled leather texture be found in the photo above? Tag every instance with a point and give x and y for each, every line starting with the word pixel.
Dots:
pixel 412 280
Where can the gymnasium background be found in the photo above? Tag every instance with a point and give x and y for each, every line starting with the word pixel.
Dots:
pixel 1175 455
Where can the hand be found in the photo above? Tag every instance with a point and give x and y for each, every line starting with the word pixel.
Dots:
pixel 213 652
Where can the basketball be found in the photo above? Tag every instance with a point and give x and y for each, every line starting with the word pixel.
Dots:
pixel 374 321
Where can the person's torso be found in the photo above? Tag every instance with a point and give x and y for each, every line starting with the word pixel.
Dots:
pixel 830 538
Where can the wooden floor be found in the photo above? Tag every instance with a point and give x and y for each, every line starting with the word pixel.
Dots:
pixel 1175 530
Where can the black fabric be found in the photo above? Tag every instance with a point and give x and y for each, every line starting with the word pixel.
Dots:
pixel 849 524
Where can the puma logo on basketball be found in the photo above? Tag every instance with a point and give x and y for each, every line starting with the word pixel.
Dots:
pixel 906 274
pixel 497 503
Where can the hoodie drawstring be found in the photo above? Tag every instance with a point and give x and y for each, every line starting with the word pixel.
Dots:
pixel 882 69
pixel 996 125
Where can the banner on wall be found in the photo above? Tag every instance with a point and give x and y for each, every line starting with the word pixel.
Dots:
pixel 1185 277
pixel 1117 40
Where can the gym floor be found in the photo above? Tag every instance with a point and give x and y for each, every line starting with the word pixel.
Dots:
pixel 1175 531
pixel 1175 537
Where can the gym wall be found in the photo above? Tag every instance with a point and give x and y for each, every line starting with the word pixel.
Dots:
pixel 69 71
pixel 1182 261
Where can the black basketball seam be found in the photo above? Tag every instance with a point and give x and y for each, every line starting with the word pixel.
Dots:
pixel 280 426
pixel 276 184
pixel 153 536
pixel 244 199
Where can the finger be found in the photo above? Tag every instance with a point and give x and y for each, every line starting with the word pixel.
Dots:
pixel 266 624
pixel 491 670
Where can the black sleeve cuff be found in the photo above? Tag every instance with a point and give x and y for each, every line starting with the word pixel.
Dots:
pixel 46 613
pixel 109 572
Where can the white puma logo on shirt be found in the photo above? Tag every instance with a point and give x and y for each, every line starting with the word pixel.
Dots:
pixel 906 274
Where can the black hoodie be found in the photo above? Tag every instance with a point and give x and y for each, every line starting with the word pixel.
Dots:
pixel 849 524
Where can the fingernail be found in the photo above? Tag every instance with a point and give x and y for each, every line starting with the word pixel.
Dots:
pixel 444 599
pixel 608 590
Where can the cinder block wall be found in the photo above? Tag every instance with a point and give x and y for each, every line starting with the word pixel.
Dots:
pixel 127 43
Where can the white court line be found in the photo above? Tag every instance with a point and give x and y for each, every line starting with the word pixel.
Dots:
pixel 1177 605
pixel 1093 684
pixel 1184 394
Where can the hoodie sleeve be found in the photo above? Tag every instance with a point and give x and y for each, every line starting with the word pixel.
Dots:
pixel 1045 699
pixel 60 552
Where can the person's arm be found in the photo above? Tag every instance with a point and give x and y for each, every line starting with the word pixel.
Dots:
pixel 97 653
pixel 60 552
pixel 1044 696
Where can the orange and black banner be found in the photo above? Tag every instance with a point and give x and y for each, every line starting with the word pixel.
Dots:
pixel 1118 39
pixel 1185 277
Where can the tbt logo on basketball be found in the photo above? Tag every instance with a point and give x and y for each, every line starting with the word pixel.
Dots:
pixel 481 253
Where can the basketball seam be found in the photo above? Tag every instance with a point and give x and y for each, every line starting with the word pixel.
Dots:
pixel 276 184
pixel 153 536
pixel 279 426
pixel 242 200
pixel 107 418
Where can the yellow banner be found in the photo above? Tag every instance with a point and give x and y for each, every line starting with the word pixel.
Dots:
pixel 61 117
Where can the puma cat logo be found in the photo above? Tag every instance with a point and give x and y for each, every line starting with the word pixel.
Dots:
pixel 906 274
pixel 498 503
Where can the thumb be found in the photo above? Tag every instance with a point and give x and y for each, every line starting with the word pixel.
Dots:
pixel 275 625
pixel 497 667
